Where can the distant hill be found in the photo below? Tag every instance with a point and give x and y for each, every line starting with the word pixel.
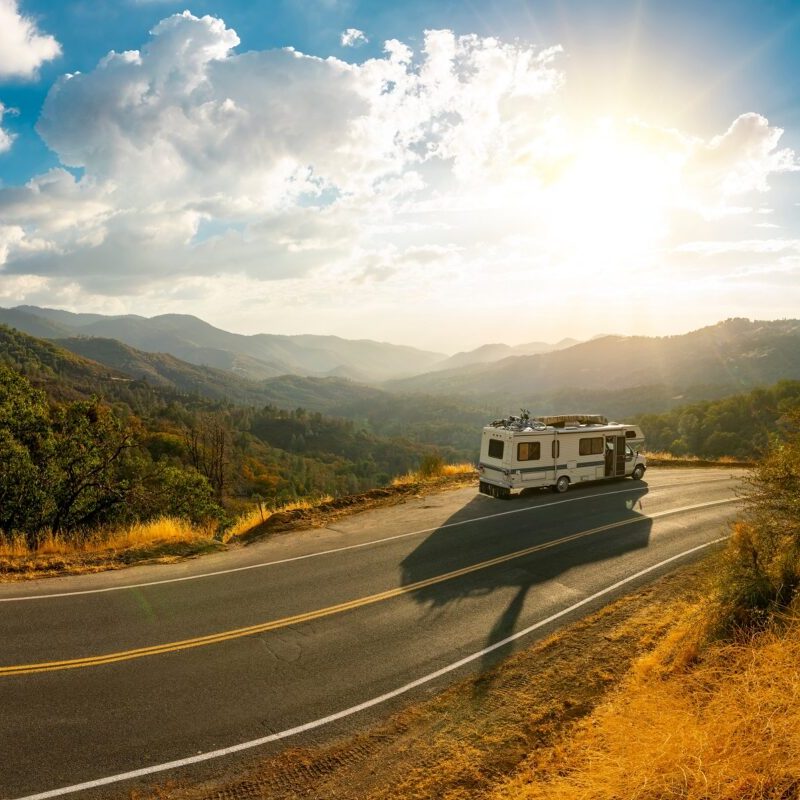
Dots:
pixel 165 371
pixel 44 327
pixel 258 356
pixel 488 353
pixel 730 356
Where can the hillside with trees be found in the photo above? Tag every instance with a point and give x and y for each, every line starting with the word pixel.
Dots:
pixel 257 356
pixel 84 445
pixel 741 426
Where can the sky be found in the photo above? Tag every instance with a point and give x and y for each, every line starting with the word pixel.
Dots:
pixel 442 175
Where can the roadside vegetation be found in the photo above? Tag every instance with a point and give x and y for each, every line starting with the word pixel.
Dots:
pixel 713 711
pixel 123 539
pixel 688 688
pixel 88 455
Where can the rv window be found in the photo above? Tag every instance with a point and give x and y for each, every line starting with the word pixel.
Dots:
pixel 528 451
pixel 630 434
pixel 556 448
pixel 591 447
pixel 495 448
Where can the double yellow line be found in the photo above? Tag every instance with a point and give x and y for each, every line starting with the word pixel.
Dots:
pixel 252 630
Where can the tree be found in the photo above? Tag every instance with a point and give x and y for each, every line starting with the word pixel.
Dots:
pixel 86 477
pixel 61 468
pixel 25 444
pixel 208 445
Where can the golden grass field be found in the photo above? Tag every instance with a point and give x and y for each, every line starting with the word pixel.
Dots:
pixel 721 724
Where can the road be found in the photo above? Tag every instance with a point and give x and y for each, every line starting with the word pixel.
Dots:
pixel 106 675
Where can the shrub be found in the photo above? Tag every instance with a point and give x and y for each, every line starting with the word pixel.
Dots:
pixel 761 574
pixel 431 466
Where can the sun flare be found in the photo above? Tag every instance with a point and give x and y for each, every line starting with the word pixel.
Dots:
pixel 610 204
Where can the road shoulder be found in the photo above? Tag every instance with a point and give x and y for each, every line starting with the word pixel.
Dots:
pixel 470 738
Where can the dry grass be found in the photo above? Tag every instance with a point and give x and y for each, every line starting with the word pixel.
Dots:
pixel 663 458
pixel 136 535
pixel 443 470
pixel 726 727
pixel 165 540
pixel 261 513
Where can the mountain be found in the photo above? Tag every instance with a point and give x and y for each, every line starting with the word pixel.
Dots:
pixel 258 356
pixel 729 356
pixel 488 353
pixel 43 327
pixel 165 371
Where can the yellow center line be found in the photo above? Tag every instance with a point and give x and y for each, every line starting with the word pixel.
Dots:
pixel 252 630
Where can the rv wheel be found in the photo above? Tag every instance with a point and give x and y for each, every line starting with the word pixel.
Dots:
pixel 562 484
pixel 637 473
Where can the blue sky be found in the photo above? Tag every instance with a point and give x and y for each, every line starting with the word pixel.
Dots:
pixel 365 191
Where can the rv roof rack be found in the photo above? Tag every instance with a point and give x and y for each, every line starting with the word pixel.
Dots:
pixel 562 420
pixel 526 422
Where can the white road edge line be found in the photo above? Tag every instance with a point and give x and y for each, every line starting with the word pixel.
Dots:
pixel 318 723
pixel 327 552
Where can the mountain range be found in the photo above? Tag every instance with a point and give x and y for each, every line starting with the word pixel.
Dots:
pixel 732 355
pixel 258 356
pixel 616 375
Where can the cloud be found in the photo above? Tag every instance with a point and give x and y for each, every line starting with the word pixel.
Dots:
pixel 291 160
pixel 353 37
pixel 759 246
pixel 6 138
pixel 736 163
pixel 23 49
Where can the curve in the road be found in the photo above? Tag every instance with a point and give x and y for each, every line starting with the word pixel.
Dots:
pixel 331 551
pixel 251 630
pixel 253 743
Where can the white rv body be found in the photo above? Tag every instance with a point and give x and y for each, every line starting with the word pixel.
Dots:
pixel 523 452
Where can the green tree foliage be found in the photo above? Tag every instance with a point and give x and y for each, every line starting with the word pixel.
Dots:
pixel 238 450
pixel 25 444
pixel 740 426
pixel 86 476
pixel 177 492
pixel 71 467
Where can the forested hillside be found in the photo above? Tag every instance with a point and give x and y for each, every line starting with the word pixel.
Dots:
pixel 95 447
pixel 257 356
pixel 740 426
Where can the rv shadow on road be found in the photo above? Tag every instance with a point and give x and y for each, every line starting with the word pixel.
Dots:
pixel 540 533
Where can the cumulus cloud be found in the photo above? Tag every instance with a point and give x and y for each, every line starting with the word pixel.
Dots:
pixel 737 162
pixel 23 49
pixel 353 37
pixel 6 138
pixel 185 136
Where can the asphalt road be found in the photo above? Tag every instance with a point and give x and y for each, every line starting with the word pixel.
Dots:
pixel 109 674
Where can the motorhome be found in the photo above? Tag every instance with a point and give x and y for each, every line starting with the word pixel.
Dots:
pixel 556 451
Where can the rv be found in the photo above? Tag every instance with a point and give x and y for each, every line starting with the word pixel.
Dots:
pixel 524 452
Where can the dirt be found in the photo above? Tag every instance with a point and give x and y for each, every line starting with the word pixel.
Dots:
pixel 326 513
pixel 464 741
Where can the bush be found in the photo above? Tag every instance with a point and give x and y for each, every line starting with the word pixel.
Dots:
pixel 761 574
pixel 431 466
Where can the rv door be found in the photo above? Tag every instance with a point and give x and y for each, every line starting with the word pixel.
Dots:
pixel 555 453
pixel 615 456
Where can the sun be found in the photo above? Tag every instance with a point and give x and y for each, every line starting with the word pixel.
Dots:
pixel 609 204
